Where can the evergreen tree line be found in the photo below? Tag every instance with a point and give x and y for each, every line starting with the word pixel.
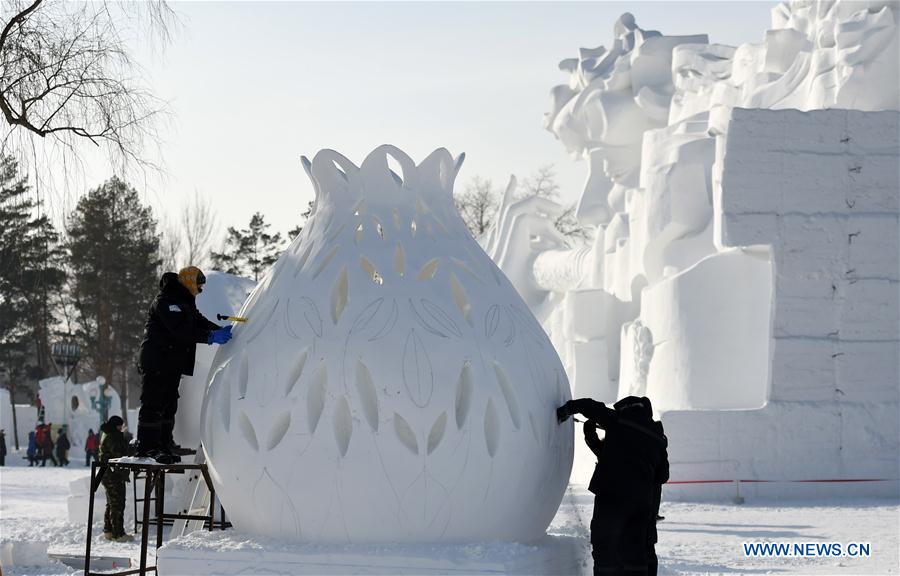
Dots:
pixel 92 282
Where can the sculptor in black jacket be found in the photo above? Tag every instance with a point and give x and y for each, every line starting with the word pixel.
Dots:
pixel 629 469
pixel 174 328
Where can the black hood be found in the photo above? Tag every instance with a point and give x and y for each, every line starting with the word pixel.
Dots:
pixel 170 285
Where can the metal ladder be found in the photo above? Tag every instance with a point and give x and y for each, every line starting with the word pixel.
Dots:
pixel 195 500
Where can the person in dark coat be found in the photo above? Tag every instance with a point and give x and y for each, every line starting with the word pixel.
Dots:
pixel 113 445
pixel 46 446
pixel 623 481
pixel 32 451
pixel 174 328
pixel 91 447
pixel 2 448
pixel 62 448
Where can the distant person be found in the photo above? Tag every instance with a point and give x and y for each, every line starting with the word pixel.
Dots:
pixel 113 445
pixel 32 451
pixel 2 447
pixel 62 448
pixel 46 445
pixel 174 328
pixel 91 447
pixel 629 464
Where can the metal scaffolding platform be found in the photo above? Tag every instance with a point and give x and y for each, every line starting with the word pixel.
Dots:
pixel 154 476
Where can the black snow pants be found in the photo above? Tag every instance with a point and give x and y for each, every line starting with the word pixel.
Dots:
pixel 619 535
pixel 159 402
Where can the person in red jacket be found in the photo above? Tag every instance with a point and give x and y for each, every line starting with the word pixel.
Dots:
pixel 91 447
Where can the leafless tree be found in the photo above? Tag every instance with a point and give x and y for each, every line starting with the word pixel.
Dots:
pixel 477 204
pixel 569 226
pixel 198 224
pixel 541 183
pixel 170 245
pixel 67 78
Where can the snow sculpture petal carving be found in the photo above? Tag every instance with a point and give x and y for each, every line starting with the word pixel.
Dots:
pixel 390 384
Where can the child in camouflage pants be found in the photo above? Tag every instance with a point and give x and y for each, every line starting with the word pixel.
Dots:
pixel 113 445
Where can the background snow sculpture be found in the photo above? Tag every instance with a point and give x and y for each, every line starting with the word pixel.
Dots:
pixel 76 406
pixel 745 257
pixel 222 294
pixel 390 384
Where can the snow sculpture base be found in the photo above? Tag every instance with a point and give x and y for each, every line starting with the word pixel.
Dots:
pixel 226 553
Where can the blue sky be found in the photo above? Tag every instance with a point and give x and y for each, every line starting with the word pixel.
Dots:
pixel 253 85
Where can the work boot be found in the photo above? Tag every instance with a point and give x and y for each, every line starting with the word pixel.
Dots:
pixel 163 457
pixel 108 535
pixel 124 538
pixel 148 439
pixel 177 450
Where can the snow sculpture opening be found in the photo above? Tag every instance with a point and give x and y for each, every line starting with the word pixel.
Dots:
pixel 390 384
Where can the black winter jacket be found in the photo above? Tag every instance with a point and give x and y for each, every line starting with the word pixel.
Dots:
pixel 633 460
pixel 173 330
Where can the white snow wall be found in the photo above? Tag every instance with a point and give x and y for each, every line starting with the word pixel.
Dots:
pixel 821 189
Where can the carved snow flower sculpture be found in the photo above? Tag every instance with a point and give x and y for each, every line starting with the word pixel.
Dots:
pixel 390 384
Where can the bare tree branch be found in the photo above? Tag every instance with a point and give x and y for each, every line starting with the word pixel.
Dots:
pixel 198 223
pixel 67 76
pixel 476 204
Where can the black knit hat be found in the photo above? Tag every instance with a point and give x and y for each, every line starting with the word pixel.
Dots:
pixel 114 422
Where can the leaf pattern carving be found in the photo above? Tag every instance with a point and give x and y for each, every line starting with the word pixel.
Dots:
pixel 343 425
pixel 405 433
pixel 491 428
pixel 463 394
pixel 440 318
pixel 388 324
pixel 437 432
pixel 315 399
pixel 365 387
pixel 417 372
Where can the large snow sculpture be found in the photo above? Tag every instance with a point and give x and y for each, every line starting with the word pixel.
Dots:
pixel 390 385
pixel 744 264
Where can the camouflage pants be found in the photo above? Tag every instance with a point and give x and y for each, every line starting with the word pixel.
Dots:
pixel 114 518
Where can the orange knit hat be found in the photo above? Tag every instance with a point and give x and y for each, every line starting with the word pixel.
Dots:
pixel 192 278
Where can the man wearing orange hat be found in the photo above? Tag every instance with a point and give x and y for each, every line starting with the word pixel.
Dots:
pixel 173 330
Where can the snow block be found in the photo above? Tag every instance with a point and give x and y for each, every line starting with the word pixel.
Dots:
pixel 867 371
pixel 782 443
pixel 591 371
pixel 746 229
pixel 803 369
pixel 711 328
pixel 583 327
pixel 233 553
pixel 870 310
pixel 872 247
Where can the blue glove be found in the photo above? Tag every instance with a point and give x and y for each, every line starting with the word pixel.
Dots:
pixel 220 336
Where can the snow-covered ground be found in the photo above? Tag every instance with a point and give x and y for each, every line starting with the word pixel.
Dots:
pixel 694 538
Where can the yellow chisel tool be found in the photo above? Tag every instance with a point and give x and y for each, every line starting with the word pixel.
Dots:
pixel 231 318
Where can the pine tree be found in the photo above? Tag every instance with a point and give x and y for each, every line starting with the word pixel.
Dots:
pixel 249 252
pixel 114 256
pixel 304 218
pixel 30 275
